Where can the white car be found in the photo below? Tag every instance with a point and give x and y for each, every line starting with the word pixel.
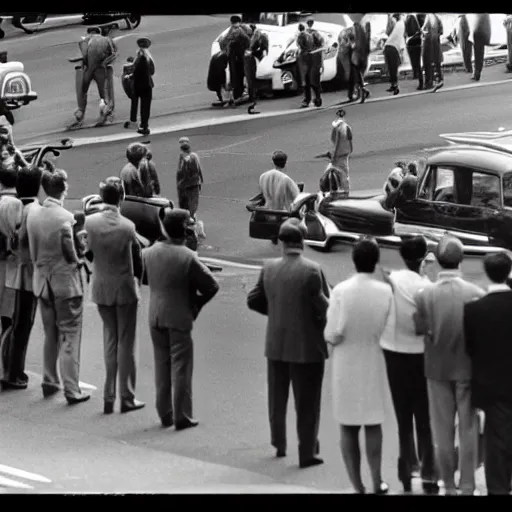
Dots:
pixel 278 70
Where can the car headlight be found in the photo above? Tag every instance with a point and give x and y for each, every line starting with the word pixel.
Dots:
pixel 16 87
pixel 287 57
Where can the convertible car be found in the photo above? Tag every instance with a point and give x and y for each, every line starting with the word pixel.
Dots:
pixel 464 188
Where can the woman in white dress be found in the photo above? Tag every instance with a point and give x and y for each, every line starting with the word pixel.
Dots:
pixel 358 313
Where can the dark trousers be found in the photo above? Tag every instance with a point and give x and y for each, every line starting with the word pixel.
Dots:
pixel 479 49
pixel 16 335
pixel 410 400
pixel 432 61
pixel 392 59
pixel 174 364
pixel 355 78
pixel 250 66
pixel 309 67
pixel 188 199
pixel 306 380
pixel 415 58
pixel 145 97
pixel 236 73
pixel 498 447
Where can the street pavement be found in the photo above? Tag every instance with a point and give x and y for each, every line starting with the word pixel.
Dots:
pixel 77 449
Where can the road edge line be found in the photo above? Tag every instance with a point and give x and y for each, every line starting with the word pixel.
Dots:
pixel 20 473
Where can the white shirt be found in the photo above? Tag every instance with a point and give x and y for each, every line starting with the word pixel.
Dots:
pixel 397 36
pixel 498 288
pixel 278 189
pixel 400 333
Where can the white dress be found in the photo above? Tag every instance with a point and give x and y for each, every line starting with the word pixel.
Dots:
pixel 359 309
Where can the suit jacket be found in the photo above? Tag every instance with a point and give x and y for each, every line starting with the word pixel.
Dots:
pixel 52 249
pixel 487 329
pixel 117 261
pixel 293 292
pixel 179 285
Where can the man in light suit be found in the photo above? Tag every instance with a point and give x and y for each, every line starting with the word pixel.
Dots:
pixel 117 270
pixel 58 285
pixel 293 292
pixel 179 287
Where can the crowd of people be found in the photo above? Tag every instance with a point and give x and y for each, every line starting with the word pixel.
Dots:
pixel 440 346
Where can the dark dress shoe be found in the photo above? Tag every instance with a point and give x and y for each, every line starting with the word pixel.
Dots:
pixel 167 420
pixel 188 423
pixel 308 463
pixel 396 91
pixel 304 105
pixel 365 94
pixel 280 453
pixel 430 487
pixel 108 407
pixel 382 489
pixel 318 102
pixel 391 89
pixel 17 384
pixel 78 399
pixel 407 484
pixel 49 391
pixel 134 406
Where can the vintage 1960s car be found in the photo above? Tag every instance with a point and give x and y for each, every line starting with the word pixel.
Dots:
pixel 465 189
pixel 15 86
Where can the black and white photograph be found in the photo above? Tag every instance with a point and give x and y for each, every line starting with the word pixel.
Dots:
pixel 256 253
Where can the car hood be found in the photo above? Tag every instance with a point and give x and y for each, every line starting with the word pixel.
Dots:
pixel 501 140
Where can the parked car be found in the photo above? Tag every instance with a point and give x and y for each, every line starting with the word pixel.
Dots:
pixel 464 188
pixel 15 86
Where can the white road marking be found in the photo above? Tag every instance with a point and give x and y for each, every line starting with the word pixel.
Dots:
pixel 227 263
pixel 215 150
pixel 6 482
pixel 83 385
pixel 19 473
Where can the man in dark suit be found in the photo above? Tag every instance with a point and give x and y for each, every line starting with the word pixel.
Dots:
pixel 293 292
pixel 117 270
pixel 413 24
pixel 179 287
pixel 58 284
pixel 487 328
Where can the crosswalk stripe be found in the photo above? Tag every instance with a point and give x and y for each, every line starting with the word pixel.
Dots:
pixel 23 474
pixel 13 483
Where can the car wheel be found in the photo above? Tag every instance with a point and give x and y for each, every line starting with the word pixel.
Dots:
pixel 134 20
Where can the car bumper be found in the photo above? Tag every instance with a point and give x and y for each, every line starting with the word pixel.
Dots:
pixel 19 101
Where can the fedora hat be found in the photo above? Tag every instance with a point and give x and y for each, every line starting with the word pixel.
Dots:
pixel 144 42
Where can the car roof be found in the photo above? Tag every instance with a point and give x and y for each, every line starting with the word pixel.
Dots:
pixel 493 160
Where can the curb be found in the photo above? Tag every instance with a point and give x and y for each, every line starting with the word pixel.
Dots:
pixel 88 141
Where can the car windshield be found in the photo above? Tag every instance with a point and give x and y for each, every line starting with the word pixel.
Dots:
pixel 507 189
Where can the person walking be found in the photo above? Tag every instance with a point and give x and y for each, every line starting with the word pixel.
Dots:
pixel 461 33
pixel 117 270
pixel 58 285
pixel 403 352
pixel 358 51
pixel 311 64
pixel 179 287
pixel 413 23
pixel 431 51
pixel 16 338
pixel 358 367
pixel 293 292
pixel 393 49
pixel 507 23
pixel 257 50
pixel 487 327
pixel 142 87
pixel 480 35
pixel 440 318
pixel 189 178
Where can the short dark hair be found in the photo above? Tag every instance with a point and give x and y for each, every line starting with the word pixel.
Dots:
pixel 54 183
pixel 112 190
pixel 366 255
pixel 235 19
pixel 279 158
pixel 28 181
pixel 413 248
pixel 8 176
pixel 498 266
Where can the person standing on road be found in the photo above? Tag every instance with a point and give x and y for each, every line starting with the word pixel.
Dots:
pixel 480 36
pixel 358 367
pixel 16 338
pixel 257 50
pixel 311 62
pixel 487 327
pixel 440 318
pixel 403 352
pixel 341 138
pixel 413 24
pixel 117 271
pixel 179 287
pixel 189 178
pixel 359 52
pixel 58 285
pixel 431 51
pixel 507 23
pixel 393 49
pixel 460 34
pixel 293 292
pixel 142 80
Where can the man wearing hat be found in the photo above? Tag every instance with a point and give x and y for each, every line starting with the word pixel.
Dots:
pixel 117 271
pixel 440 318
pixel 403 352
pixel 293 293
pixel 179 287
pixel 141 86
pixel 189 178
pixel 98 53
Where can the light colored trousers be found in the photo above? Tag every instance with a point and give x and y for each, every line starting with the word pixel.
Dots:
pixel 119 335
pixel 62 323
pixel 446 399
pixel 174 362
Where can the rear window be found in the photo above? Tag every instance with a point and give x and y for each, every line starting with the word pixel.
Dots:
pixel 507 189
